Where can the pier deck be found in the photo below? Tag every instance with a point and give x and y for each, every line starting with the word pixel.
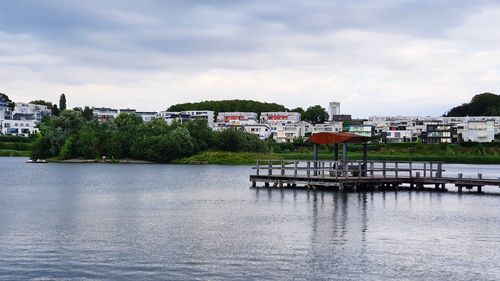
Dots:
pixel 362 175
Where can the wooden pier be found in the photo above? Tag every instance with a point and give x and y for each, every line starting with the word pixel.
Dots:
pixel 362 176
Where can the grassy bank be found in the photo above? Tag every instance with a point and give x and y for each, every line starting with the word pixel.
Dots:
pixel 14 146
pixel 14 153
pixel 235 158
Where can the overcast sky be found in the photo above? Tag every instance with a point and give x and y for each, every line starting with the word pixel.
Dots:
pixel 375 57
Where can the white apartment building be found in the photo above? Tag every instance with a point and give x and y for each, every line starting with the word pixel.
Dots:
pixel 205 114
pixel 103 114
pixel 289 132
pixel 398 136
pixel 236 118
pixel 20 127
pixel 261 130
pixel 279 118
pixel 38 111
pixel 147 116
pixel 479 131
pixel 330 127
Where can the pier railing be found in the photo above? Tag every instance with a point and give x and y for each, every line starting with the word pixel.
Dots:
pixel 337 169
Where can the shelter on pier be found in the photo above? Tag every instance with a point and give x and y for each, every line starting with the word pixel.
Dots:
pixel 340 138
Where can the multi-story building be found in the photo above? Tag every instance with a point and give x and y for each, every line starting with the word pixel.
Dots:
pixel 147 116
pixel 479 131
pixel 440 134
pixel 103 114
pixel 171 116
pixel 236 118
pixel 20 125
pixel 362 130
pixel 261 130
pixel 332 127
pixel 279 118
pixel 203 114
pixel 397 136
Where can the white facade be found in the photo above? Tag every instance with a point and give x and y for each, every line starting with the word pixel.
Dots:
pixel 103 114
pixel 205 114
pixel 147 116
pixel 20 127
pixel 237 118
pixel 331 127
pixel 333 109
pixel 279 118
pixel 261 130
pixel 479 131
pixel 398 136
pixel 289 132
pixel 37 111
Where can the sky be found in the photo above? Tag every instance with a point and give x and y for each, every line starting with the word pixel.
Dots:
pixel 374 57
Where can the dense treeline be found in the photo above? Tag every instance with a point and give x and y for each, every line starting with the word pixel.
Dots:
pixel 486 104
pixel 71 135
pixel 229 106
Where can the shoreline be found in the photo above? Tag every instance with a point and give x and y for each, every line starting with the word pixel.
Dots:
pixel 247 158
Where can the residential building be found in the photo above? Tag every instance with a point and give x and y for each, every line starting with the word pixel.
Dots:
pixel 170 116
pixel 362 130
pixel 147 116
pixel 289 132
pixel 22 127
pixel 103 114
pixel 237 118
pixel 332 127
pixel 479 131
pixel 397 136
pixel 279 118
pixel 440 134
pixel 261 130
pixel 204 114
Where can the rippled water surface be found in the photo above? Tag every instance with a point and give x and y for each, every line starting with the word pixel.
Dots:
pixel 174 222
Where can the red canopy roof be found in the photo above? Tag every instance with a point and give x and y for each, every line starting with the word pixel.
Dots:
pixel 332 138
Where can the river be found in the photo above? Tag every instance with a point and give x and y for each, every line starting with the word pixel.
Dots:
pixel 181 222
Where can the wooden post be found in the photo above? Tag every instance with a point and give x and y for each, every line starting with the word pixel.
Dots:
pixel 365 159
pixel 396 169
pixel 295 168
pixel 372 167
pixel 336 156
pixel 344 158
pixel 315 159
pixel 270 168
pixel 323 168
pixel 440 170
pixel 425 170
pixel 308 169
pixel 384 166
pixel 479 176
pixel 258 168
pixel 430 169
pixel 336 169
pixel 411 170
pixel 282 167
pixel 360 170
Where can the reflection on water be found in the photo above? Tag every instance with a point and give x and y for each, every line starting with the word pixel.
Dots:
pixel 129 222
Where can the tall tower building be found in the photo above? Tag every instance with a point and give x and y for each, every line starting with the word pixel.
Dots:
pixel 333 109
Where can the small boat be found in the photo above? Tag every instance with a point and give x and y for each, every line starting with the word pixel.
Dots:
pixel 37 161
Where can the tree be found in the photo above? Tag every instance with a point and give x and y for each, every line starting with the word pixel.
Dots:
pixel 315 114
pixel 88 113
pixel 298 109
pixel 55 110
pixel 485 104
pixel 48 104
pixel 62 102
pixel 10 104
